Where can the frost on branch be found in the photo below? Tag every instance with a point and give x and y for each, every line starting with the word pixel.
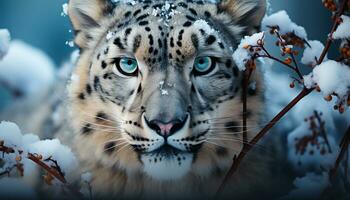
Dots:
pixel 312 52
pixel 247 50
pixel 4 42
pixel 332 78
pixel 343 30
pixel 281 22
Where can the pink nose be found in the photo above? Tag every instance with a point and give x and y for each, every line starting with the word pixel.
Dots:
pixel 164 128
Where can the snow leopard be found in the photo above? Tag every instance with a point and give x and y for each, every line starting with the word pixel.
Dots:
pixel 154 106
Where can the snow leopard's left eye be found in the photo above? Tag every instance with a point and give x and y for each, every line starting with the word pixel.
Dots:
pixel 203 65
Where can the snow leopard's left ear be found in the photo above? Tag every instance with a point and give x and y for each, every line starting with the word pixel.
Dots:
pixel 246 13
pixel 85 15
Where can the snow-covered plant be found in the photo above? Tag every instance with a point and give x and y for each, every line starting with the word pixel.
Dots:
pixel 312 144
pixel 23 154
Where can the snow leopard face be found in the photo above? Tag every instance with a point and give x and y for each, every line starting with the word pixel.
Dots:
pixel 156 91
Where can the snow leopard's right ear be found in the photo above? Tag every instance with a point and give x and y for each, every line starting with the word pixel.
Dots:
pixel 87 14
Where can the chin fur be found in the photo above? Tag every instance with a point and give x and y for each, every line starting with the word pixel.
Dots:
pixel 165 167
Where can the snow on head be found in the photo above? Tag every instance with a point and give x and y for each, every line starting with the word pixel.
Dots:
pixel 27 69
pixel 312 53
pixel 331 77
pixel 243 54
pixel 343 30
pixel 4 42
pixel 284 23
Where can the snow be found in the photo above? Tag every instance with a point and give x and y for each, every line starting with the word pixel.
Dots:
pixel 343 30
pixel 110 35
pixel 242 53
pixel 4 42
pixel 53 148
pixel 202 24
pixel 29 143
pixel 15 188
pixel 10 133
pixel 314 156
pixel 284 23
pixel 310 186
pixel 70 43
pixel 331 77
pixel 27 69
pixel 312 53
pixel 64 10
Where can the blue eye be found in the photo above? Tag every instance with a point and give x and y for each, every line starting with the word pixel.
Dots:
pixel 127 66
pixel 203 65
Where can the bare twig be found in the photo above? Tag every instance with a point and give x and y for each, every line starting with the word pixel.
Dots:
pixel 344 145
pixel 47 168
pixel 237 160
pixel 246 76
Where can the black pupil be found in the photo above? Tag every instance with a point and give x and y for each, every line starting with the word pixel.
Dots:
pixel 201 61
pixel 129 62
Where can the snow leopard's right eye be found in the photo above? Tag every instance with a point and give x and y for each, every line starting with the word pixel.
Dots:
pixel 126 66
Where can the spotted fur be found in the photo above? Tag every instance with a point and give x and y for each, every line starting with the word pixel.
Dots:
pixel 109 112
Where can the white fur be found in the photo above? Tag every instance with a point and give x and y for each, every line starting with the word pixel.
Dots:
pixel 168 168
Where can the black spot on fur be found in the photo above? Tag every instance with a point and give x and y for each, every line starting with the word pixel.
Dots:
pixel 142 17
pixel 232 126
pixel 127 14
pixel 150 37
pixel 101 116
pixel 194 39
pixel 103 64
pixel 137 42
pixel 178 52
pixel 190 18
pixel 211 39
pixel 192 11
pixel 172 42
pixel 207 14
pixel 86 129
pixel 88 89
pixel 96 82
pixel 137 12
pixel 81 96
pixel 127 31
pixel 118 42
pixel 109 147
pixel 187 24
pixel 221 45
pixel 143 23
pixel 148 29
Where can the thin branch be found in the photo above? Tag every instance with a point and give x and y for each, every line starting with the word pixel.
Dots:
pixel 334 28
pixel 246 76
pixel 237 160
pixel 50 170
pixel 344 146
